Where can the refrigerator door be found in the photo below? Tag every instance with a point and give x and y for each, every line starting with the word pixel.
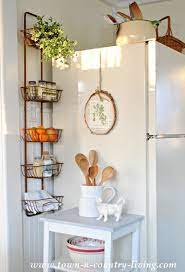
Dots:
pixel 167 200
pixel 170 91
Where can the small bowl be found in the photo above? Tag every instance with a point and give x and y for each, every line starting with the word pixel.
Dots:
pixel 86 250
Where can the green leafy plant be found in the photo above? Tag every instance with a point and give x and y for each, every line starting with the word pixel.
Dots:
pixel 49 35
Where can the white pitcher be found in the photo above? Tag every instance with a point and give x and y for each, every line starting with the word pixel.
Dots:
pixel 88 199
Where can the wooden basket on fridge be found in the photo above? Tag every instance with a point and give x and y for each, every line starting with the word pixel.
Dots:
pixel 168 39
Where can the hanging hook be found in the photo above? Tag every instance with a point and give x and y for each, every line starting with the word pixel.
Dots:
pixel 99 88
pixel 100 72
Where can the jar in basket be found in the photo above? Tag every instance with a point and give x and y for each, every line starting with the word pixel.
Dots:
pixel 41 89
pixel 38 167
pixel 48 161
pixel 32 89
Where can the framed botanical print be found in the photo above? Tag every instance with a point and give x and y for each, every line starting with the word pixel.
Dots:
pixel 100 113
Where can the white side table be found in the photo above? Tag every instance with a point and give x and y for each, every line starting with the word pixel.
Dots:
pixel 69 222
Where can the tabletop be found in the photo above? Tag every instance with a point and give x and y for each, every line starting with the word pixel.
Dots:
pixel 71 217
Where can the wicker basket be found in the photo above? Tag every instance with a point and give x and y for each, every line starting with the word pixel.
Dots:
pixel 169 40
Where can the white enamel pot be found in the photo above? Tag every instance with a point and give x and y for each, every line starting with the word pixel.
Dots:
pixel 88 199
pixel 135 31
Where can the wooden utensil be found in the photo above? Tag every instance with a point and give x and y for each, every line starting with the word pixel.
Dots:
pixel 111 19
pixel 84 166
pixel 123 15
pixel 93 172
pixel 107 174
pixel 93 157
pixel 135 11
pixel 78 158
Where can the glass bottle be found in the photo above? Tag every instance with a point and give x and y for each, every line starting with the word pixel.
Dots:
pixel 54 91
pixel 47 94
pixel 41 89
pixel 32 90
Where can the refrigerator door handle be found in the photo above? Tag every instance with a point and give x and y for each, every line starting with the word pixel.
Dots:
pixel 164 136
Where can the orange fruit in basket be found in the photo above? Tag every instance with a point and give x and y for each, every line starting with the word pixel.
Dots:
pixel 52 134
pixel 22 131
pixel 33 134
pixel 41 130
pixel 43 137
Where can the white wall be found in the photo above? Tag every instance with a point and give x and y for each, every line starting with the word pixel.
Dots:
pixel 125 146
pixel 83 19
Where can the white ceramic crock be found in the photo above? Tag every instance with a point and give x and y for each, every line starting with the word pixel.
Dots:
pixel 86 250
pixel 135 31
pixel 89 196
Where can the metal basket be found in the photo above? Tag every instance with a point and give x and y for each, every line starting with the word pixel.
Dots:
pixel 168 39
pixel 34 207
pixel 31 135
pixel 27 34
pixel 46 95
pixel 30 171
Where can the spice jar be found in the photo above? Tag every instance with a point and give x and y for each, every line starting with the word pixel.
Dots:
pixel 47 92
pixel 53 86
pixel 38 167
pixel 54 91
pixel 49 85
pixel 32 89
pixel 41 89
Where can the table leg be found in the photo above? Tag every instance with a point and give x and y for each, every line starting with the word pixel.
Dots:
pixel 46 248
pixel 108 254
pixel 136 247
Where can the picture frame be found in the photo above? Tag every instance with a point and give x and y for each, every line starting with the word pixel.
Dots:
pixel 100 113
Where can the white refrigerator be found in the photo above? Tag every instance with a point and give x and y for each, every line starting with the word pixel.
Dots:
pixel 147 145
pixel 166 157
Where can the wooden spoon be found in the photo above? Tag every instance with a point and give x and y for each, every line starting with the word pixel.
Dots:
pixel 93 172
pixel 84 166
pixel 123 15
pixel 78 158
pixel 107 174
pixel 93 157
pixel 111 19
pixel 135 11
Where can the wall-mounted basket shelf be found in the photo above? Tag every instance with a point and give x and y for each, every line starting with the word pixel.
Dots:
pixel 45 96
pixel 30 135
pixel 36 207
pixel 41 171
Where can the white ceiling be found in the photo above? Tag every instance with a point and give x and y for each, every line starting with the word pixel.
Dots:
pixel 125 3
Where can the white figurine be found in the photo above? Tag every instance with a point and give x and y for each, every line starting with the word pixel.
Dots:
pixel 106 209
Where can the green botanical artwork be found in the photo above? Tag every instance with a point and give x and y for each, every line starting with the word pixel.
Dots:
pixel 99 113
